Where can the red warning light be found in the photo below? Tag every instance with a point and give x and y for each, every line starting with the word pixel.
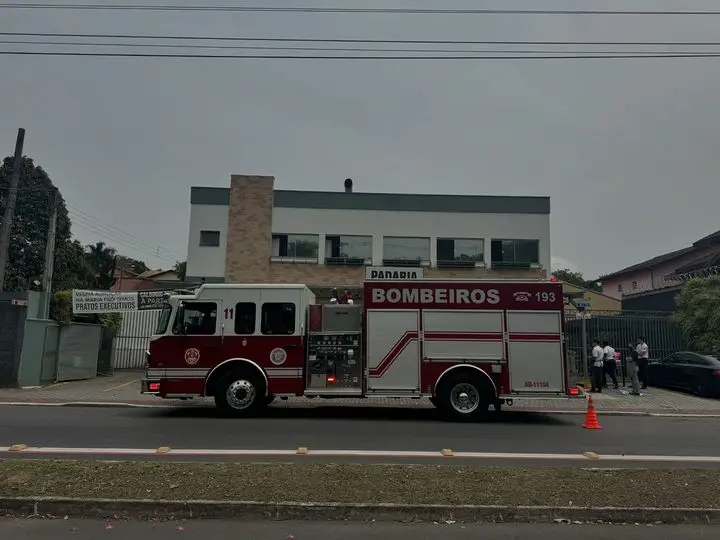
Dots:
pixel 554 279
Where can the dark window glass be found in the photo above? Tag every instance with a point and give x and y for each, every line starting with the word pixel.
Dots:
pixel 278 318
pixel 196 319
pixel 245 318
pixel 210 238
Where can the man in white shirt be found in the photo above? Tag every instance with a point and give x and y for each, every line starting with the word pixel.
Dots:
pixel 610 365
pixel 597 367
pixel 642 362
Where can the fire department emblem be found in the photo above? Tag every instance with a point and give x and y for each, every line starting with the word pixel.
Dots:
pixel 278 356
pixel 192 356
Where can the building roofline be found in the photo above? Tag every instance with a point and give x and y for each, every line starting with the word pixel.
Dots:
pixel 649 263
pixel 390 202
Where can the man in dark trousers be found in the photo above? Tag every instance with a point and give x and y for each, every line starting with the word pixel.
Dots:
pixel 643 359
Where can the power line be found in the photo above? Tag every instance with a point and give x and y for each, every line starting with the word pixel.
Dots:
pixel 314 9
pixel 139 243
pixel 355 40
pixel 559 56
pixel 112 240
pixel 325 49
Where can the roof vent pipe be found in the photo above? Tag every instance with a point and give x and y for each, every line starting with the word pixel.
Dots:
pixel 348 185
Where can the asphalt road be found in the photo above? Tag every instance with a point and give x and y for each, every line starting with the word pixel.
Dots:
pixel 33 529
pixel 353 429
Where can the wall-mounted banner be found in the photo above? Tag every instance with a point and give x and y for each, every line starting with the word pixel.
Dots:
pixel 153 299
pixel 86 302
pixel 393 273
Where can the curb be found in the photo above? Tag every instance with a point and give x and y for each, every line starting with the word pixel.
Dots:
pixel 168 509
pixel 119 404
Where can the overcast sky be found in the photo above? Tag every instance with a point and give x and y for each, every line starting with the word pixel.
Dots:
pixel 627 149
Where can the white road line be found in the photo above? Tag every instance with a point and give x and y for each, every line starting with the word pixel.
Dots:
pixel 188 452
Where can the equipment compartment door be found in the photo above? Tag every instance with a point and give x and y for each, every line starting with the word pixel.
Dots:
pixel 393 350
pixel 535 347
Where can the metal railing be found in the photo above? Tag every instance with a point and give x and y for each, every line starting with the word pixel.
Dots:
pixel 619 328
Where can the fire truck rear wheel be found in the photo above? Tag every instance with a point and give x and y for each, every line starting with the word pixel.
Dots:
pixel 464 397
pixel 240 393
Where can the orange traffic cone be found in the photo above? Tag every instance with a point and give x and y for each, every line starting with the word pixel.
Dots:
pixel 591 419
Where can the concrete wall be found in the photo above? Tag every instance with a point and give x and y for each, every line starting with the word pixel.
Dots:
pixel 207 261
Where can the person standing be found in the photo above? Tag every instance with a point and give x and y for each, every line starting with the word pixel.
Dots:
pixel 643 359
pixel 609 365
pixel 632 370
pixel 598 366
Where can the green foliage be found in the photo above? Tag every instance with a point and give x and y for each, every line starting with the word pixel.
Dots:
pixel 576 278
pixel 61 307
pixel 180 269
pixel 133 265
pixel 71 268
pixel 26 257
pixel 103 261
pixel 698 313
pixel 110 320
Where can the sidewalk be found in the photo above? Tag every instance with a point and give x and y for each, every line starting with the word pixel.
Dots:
pixel 123 389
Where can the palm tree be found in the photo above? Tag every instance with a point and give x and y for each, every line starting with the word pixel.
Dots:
pixel 102 260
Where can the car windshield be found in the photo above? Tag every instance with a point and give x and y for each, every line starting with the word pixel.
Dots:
pixel 164 319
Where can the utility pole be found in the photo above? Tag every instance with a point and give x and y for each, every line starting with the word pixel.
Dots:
pixel 10 207
pixel 47 276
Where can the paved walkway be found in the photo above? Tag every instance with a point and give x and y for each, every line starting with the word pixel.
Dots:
pixel 124 388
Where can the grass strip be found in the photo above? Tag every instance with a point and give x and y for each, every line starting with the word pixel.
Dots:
pixel 367 483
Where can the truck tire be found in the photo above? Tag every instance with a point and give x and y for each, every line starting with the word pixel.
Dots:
pixel 240 393
pixel 464 397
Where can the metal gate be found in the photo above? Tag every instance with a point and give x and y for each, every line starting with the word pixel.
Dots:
pixel 13 311
pixel 78 351
pixel 133 339
pixel 619 328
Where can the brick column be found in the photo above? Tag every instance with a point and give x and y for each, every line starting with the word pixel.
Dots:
pixel 249 234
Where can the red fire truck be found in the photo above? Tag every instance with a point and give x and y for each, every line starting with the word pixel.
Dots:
pixel 466 345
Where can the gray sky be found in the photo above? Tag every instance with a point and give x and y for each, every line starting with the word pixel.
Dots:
pixel 627 149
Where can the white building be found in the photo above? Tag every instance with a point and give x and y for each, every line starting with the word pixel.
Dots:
pixel 251 232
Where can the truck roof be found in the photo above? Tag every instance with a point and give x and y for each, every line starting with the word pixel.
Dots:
pixel 225 286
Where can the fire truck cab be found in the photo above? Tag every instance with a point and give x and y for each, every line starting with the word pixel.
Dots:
pixel 466 345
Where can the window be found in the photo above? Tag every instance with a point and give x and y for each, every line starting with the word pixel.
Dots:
pixel 295 246
pixel 245 318
pixel 164 319
pixel 406 251
pixel 514 253
pixel 459 252
pixel 196 318
pixel 620 289
pixel 210 238
pixel 348 250
pixel 278 318
pixel 634 285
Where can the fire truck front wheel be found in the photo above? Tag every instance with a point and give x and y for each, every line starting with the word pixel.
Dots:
pixel 464 397
pixel 240 393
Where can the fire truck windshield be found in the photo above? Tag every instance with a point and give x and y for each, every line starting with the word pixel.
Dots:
pixel 164 319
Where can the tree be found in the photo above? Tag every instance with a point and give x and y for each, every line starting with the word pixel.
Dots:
pixel 133 265
pixel 26 257
pixel 180 269
pixel 103 260
pixel 697 314
pixel 575 278
pixel 72 270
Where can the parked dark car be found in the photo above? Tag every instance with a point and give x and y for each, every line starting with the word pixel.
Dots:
pixel 696 372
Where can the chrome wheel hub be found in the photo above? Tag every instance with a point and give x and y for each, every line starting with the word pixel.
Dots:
pixel 464 398
pixel 241 394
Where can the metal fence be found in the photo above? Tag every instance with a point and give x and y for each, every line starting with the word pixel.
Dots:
pixel 133 339
pixel 619 328
pixel 12 322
